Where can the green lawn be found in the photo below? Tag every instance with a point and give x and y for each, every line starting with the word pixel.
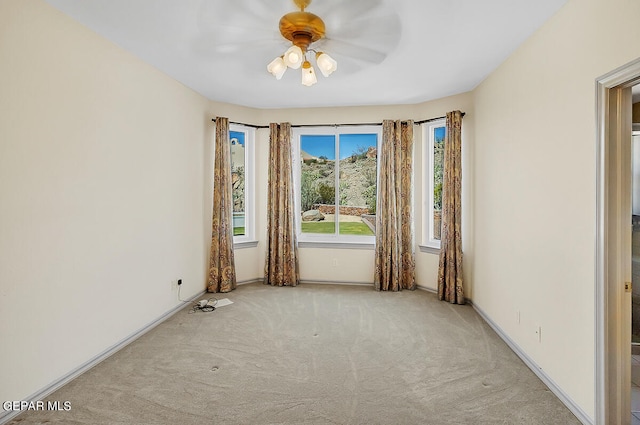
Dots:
pixel 346 228
pixel 238 231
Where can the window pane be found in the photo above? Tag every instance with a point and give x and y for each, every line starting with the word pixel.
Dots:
pixel 237 179
pixel 438 163
pixel 357 183
pixel 318 183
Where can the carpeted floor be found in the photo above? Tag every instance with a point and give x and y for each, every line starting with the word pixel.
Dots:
pixel 314 354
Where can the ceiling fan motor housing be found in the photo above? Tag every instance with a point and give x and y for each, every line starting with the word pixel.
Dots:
pixel 302 28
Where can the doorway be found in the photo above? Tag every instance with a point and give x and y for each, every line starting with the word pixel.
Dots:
pixel 613 245
pixel 635 256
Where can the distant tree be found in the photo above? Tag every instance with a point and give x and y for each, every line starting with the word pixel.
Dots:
pixel 361 152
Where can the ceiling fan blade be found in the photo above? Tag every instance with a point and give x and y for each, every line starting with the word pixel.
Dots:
pixel 266 46
pixel 342 48
pixel 364 30
pixel 376 28
pixel 341 12
pixel 247 14
pixel 231 34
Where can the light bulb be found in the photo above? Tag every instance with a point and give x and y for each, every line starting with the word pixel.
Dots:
pixel 326 63
pixel 277 67
pixel 308 74
pixel 293 57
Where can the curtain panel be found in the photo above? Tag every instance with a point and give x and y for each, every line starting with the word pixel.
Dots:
pixel 450 267
pixel 222 271
pixel 394 252
pixel 281 265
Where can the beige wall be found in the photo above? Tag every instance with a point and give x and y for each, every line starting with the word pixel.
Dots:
pixel 103 187
pixel 534 187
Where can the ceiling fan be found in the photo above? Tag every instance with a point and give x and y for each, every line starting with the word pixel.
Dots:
pixel 356 33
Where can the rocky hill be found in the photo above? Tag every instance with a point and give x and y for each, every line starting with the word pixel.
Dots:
pixel 357 181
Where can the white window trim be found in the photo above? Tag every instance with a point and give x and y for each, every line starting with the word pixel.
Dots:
pixel 248 239
pixel 326 240
pixel 429 244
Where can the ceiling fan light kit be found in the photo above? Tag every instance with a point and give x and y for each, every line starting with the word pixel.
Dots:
pixel 302 28
pixel 326 63
pixel 277 67
pixel 293 57
pixel 308 74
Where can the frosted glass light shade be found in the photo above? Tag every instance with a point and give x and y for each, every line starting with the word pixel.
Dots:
pixel 308 74
pixel 293 57
pixel 277 67
pixel 326 63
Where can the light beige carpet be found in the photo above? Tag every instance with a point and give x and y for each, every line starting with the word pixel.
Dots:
pixel 313 354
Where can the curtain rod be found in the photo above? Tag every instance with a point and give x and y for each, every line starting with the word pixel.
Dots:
pixel 333 125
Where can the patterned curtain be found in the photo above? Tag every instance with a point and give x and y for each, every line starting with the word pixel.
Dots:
pixel 450 269
pixel 395 258
pixel 281 266
pixel 222 271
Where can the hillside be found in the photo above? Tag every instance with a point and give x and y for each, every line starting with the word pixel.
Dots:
pixel 357 181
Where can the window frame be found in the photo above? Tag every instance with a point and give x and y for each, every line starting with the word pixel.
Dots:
pixel 247 240
pixel 335 240
pixel 429 243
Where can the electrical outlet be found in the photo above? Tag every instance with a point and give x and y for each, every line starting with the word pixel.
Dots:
pixel 539 333
pixel 335 262
pixel 175 283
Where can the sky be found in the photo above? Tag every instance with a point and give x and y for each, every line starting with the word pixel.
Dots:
pixel 439 133
pixel 237 135
pixel 324 145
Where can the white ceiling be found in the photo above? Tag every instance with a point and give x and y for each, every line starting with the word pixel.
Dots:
pixel 388 51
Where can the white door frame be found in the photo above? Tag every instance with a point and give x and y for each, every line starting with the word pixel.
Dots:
pixel 613 245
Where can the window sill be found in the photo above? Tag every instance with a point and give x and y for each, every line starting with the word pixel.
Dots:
pixel 245 244
pixel 337 245
pixel 430 249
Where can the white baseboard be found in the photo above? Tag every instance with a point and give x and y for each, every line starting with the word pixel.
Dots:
pixel 333 282
pixel 311 281
pixel 330 282
pixel 564 398
pixel 248 281
pixel 424 288
pixel 58 383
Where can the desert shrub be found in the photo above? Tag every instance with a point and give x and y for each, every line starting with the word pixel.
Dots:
pixel 327 194
pixel 343 192
pixel 308 193
pixel 370 176
pixel 437 197
pixel 370 197
pixel 238 189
